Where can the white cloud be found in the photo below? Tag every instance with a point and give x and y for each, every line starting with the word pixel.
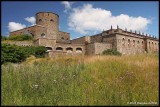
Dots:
pixel 13 26
pixel 88 19
pixel 31 20
pixel 67 5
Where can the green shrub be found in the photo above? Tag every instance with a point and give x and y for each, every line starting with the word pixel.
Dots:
pixel 111 52
pixel 16 54
pixel 37 51
pixel 3 38
pixel 20 37
pixel 12 53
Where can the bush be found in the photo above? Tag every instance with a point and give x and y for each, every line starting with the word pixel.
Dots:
pixel 37 51
pixel 12 53
pixel 3 38
pixel 20 37
pixel 16 54
pixel 111 52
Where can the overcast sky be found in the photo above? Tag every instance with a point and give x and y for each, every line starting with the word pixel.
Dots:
pixel 84 18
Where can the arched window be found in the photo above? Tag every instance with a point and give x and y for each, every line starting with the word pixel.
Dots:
pixel 42 35
pixel 142 44
pixel 138 43
pixel 123 42
pixel 69 50
pixel 51 20
pixel 133 42
pixel 129 43
pixel 48 49
pixel 62 37
pixel 40 20
pixel 78 50
pixel 149 45
pixel 59 49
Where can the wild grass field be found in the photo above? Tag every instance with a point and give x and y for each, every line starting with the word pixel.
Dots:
pixel 82 80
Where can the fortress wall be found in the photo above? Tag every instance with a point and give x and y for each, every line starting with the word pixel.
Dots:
pixel 74 47
pixel 96 38
pixel 130 45
pixel 100 47
pixel 80 40
pixel 41 32
pixel 35 31
pixel 46 42
pixel 90 49
pixel 152 45
pixel 111 39
pixel 28 30
pixel 63 37
pixel 19 43
pixel 97 48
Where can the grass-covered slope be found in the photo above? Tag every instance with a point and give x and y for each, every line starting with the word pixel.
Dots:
pixel 96 80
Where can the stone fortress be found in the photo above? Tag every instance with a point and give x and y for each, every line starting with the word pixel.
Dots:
pixel 46 33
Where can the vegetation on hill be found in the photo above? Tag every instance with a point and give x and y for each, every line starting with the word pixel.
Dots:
pixel 12 53
pixel 97 80
pixel 111 52
pixel 16 54
pixel 17 37
pixel 4 38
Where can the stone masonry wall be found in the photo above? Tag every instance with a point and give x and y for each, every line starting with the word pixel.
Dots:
pixel 67 49
pixel 100 47
pixel 152 46
pixel 63 37
pixel 19 43
pixel 111 39
pixel 46 42
pixel 130 45
pixel 97 48
pixel 96 38
pixel 80 40
pixel 36 31
pixel 28 30
pixel 90 49
pixel 50 21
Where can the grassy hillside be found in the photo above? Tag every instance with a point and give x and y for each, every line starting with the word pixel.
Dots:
pixel 94 80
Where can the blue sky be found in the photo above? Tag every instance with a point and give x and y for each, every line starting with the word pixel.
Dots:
pixel 84 18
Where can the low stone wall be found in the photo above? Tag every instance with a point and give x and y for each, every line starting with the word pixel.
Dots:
pixel 19 43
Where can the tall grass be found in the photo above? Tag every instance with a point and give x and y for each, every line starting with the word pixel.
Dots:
pixel 92 80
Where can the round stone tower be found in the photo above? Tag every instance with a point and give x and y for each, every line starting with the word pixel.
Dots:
pixel 50 21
